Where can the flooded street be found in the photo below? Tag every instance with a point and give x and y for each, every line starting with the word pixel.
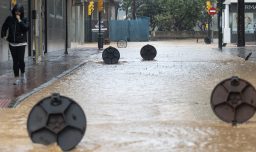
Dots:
pixel 145 106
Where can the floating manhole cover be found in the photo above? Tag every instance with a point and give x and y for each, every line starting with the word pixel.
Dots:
pixel 234 100
pixel 148 52
pixel 111 55
pixel 57 119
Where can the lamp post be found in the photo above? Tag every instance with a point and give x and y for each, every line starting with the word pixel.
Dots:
pixel 90 11
pixel 240 24
pixel 100 34
pixel 209 20
pixel 220 34
pixel 66 39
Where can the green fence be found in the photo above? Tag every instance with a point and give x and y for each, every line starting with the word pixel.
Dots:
pixel 130 30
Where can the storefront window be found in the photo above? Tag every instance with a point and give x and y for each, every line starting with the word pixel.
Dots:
pixel 249 20
pixel 250 23
pixel 59 8
pixel 51 8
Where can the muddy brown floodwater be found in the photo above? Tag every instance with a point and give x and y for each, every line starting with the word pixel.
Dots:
pixel 143 106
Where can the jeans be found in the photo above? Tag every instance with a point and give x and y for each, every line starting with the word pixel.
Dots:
pixel 18 53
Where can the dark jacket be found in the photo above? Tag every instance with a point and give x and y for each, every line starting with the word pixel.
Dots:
pixel 17 31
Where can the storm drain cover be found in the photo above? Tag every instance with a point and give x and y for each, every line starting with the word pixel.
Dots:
pixel 111 55
pixel 234 100
pixel 148 52
pixel 57 119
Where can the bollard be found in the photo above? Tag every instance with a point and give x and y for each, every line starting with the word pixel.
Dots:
pixel 207 40
pixel 234 100
pixel 148 52
pixel 111 55
pixel 100 40
pixel 57 119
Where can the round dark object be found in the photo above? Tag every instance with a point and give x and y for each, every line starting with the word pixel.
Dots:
pixel 207 40
pixel 234 100
pixel 148 52
pixel 57 119
pixel 111 55
pixel 122 44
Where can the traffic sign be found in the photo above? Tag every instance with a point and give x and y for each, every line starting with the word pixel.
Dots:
pixel 212 11
pixel 100 5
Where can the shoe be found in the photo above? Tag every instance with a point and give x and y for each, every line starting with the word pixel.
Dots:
pixel 17 82
pixel 23 78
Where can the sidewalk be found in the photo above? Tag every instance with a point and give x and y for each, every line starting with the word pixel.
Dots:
pixel 232 49
pixel 242 52
pixel 54 65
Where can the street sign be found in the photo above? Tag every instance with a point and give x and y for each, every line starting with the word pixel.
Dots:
pixel 212 11
pixel 90 8
pixel 208 5
pixel 100 5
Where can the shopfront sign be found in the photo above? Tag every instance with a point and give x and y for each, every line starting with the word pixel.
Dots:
pixel 248 7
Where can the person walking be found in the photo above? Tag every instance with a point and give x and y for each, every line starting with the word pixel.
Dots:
pixel 17 27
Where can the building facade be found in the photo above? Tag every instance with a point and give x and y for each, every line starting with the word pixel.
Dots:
pixel 48 26
pixel 56 24
pixel 110 12
pixel 230 21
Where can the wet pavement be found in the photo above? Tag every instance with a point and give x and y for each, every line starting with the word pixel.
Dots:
pixel 242 52
pixel 52 66
pixel 161 105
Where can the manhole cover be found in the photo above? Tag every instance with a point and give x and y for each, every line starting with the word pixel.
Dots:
pixel 111 55
pixel 148 52
pixel 57 119
pixel 234 100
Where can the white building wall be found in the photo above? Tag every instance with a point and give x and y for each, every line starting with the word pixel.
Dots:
pixel 226 16
pixel 227 29
pixel 235 1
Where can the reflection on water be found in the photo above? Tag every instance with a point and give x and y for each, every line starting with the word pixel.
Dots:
pixel 145 106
